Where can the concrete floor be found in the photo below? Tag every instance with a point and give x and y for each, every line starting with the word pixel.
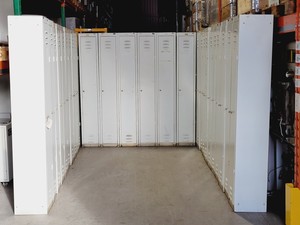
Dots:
pixel 138 186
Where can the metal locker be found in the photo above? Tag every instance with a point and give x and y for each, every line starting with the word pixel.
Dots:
pixel 108 81
pixel 60 102
pixel 146 89
pixel 89 89
pixel 186 56
pixel 126 58
pixel 66 90
pixel 166 96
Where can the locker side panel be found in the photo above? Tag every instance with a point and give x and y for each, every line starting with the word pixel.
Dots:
pixel 29 197
pixel 89 89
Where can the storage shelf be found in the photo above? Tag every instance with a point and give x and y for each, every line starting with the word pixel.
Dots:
pixel 287 24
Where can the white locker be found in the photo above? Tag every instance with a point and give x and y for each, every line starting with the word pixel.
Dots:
pixel 59 124
pixel 146 89
pixel 238 79
pixel 40 129
pixel 127 88
pixel 109 127
pixel 6 169
pixel 166 97
pixel 186 56
pixel 88 52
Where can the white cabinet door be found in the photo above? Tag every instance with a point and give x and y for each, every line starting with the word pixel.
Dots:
pixel 166 55
pixel 127 88
pixel 108 80
pixel 186 88
pixel 146 89
pixel 89 89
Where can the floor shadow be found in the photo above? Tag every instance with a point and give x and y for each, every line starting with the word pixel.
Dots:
pixel 9 191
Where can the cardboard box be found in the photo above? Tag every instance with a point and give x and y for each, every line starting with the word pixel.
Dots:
pixel 264 4
pixel 243 6
pixel 226 12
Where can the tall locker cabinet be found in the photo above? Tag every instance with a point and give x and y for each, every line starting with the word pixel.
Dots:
pixel 235 85
pixel 166 87
pixel 146 89
pixel 109 127
pixel 186 56
pixel 127 68
pixel 89 87
pixel 40 136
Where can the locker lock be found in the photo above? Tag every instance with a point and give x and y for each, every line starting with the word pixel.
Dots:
pixel 231 112
pixel 102 90
pixel 160 90
pixel 179 89
pixel 122 90
pixel 141 90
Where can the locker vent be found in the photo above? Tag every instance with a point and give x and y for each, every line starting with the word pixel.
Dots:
pixel 88 45
pixel 147 44
pixel 127 44
pixel 129 138
pixel 107 44
pixel 186 44
pixel 46 38
pixel 166 44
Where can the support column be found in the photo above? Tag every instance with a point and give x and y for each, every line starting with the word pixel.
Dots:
pixel 18 7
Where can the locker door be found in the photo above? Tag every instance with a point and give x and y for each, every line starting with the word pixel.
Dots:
pixel 166 89
pixel 127 79
pixel 146 72
pixel 108 79
pixel 186 88
pixel 89 89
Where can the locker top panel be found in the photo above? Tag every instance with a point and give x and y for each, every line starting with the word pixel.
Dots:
pixel 182 34
pixel 146 34
pixel 87 35
pixel 107 34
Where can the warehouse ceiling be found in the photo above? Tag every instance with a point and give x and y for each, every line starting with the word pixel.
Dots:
pixel 119 16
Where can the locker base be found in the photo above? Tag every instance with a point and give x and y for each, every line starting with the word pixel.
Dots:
pixel 292 205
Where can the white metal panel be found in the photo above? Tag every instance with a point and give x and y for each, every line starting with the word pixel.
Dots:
pixel 238 83
pixel 186 88
pixel 89 89
pixel 6 172
pixel 258 67
pixel 146 89
pixel 41 123
pixel 166 72
pixel 108 79
pixel 127 78
pixel 30 197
